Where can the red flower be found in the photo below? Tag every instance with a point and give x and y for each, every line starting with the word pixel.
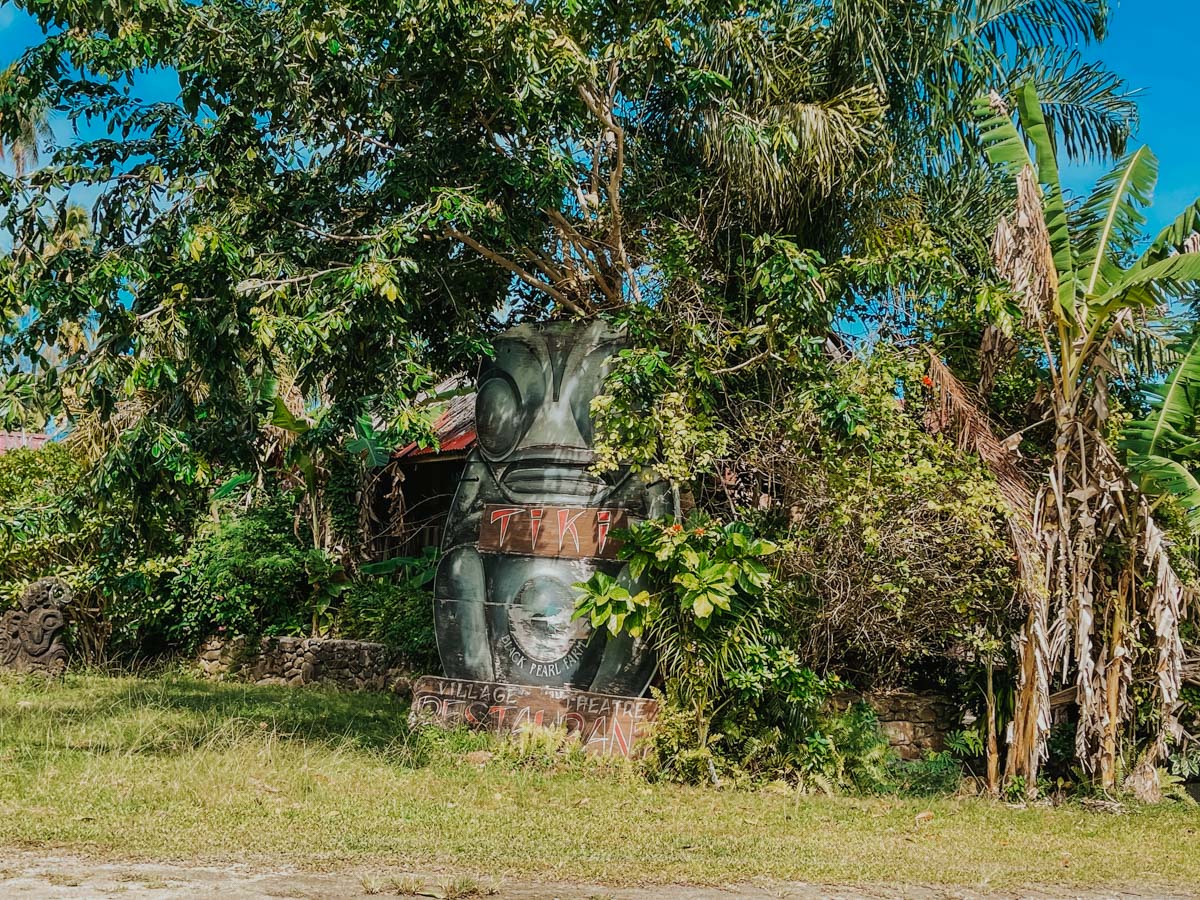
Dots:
pixel 927 381
pixel 676 528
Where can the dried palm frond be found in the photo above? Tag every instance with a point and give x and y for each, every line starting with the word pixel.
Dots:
pixel 1168 604
pixel 995 350
pixel 1022 255
pixel 961 414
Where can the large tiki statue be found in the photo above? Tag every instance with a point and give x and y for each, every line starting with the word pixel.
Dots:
pixel 529 520
pixel 31 636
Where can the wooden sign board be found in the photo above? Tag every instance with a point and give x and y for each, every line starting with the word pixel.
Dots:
pixel 606 724
pixel 565 532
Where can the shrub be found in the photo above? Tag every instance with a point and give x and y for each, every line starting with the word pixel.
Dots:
pixel 37 536
pixel 703 608
pixel 52 524
pixel 1185 758
pixel 828 750
pixel 935 774
pixel 896 541
pixel 392 614
pixel 245 573
pixel 675 753
pixel 780 725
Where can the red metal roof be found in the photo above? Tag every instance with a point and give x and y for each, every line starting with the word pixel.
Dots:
pixel 11 440
pixel 455 427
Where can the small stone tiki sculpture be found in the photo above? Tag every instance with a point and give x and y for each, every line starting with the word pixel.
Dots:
pixel 31 636
pixel 530 519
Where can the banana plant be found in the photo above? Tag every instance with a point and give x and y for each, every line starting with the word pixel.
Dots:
pixel 1101 571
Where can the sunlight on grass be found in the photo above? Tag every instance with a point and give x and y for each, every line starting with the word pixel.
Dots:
pixel 174 768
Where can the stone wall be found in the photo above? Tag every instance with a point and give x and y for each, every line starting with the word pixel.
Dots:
pixel 295 661
pixel 914 723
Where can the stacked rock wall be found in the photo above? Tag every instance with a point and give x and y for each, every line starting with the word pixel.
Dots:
pixel 295 661
pixel 915 723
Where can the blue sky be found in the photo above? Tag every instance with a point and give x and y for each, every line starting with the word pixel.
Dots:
pixel 1153 44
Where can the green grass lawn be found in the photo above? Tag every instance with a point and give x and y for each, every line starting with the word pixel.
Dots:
pixel 171 768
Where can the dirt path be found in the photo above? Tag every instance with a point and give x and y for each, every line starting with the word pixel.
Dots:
pixel 27 874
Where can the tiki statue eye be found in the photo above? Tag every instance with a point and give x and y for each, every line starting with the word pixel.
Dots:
pixel 499 419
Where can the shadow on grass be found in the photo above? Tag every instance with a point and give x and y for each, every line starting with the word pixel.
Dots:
pixel 173 713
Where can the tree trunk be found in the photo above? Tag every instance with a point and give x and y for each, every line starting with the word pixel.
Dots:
pixel 1112 688
pixel 993 746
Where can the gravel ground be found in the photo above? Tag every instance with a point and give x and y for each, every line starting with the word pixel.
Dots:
pixel 28 874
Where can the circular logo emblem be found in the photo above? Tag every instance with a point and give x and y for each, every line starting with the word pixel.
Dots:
pixel 540 620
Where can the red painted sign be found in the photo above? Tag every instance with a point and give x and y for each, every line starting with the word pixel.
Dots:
pixel 567 532
pixel 605 724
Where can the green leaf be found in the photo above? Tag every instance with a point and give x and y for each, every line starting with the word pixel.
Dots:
pixel 229 487
pixel 304 462
pixel 1173 276
pixel 1158 446
pixel 282 418
pixel 1114 211
pixel 756 574
pixel 1034 122
pixel 1172 238
pixel 1173 408
pixel 719 572
pixel 738 542
pixel 388 566
pixel 376 453
pixel 1004 145
pixel 1158 475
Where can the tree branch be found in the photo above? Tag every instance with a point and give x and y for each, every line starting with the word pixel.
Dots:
pixel 524 274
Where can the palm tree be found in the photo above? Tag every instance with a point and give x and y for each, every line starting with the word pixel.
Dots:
pixel 1104 600
pixel 873 100
pixel 25 132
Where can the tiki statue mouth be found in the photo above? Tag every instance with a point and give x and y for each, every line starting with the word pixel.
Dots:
pixel 537 475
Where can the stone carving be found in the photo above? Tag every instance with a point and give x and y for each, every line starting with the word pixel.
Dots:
pixel 529 520
pixel 31 635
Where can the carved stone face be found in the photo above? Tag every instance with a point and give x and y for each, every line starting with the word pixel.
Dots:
pixel 529 520
pixel 30 637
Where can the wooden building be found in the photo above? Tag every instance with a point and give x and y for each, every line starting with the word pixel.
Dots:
pixel 420 482
pixel 12 440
